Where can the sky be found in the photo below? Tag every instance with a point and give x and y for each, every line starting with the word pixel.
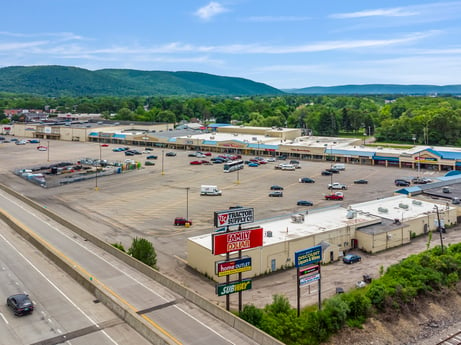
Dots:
pixel 285 44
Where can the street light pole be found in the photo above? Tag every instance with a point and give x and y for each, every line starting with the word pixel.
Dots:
pixel 163 155
pixel 187 203
pixel 439 228
pixel 97 164
pixel 48 149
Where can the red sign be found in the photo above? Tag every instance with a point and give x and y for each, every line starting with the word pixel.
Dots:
pixel 237 240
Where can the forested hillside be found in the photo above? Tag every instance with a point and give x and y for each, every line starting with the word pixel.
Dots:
pixel 56 81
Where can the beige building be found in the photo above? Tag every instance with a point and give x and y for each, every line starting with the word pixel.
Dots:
pixel 371 226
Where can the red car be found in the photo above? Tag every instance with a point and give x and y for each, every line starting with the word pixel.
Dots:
pixel 105 145
pixel 334 196
pixel 207 154
pixel 181 221
pixel 205 162
pixel 195 163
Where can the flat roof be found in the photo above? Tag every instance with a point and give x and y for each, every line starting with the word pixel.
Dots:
pixel 284 229
pixel 377 214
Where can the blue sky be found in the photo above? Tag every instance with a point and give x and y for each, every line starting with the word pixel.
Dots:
pixel 286 44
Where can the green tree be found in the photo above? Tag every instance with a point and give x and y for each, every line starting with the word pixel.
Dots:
pixel 144 251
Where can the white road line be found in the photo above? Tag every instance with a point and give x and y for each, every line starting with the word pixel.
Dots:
pixel 57 288
pixel 116 268
pixel 4 318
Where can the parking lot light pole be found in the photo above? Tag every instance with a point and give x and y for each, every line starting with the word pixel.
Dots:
pixel 48 149
pixel 187 203
pixel 97 164
pixel 238 176
pixel 163 155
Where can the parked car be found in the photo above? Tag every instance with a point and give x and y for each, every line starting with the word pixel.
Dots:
pixel 129 153
pixel 276 187
pixel 326 173
pixel 306 180
pixel 195 163
pixel 253 164
pixel 418 180
pixel 332 170
pixel 102 145
pixel 42 148
pixel 282 157
pixel 181 221
pixel 361 181
pixel 151 157
pixel 205 162
pixel 170 154
pixel 304 203
pixel 276 194
pixel 401 183
pixel 351 258
pixel 34 141
pixel 149 163
pixel 20 304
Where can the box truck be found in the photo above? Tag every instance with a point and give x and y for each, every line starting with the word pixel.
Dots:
pixel 209 190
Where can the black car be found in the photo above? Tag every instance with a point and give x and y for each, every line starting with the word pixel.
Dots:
pixel 326 173
pixel 20 304
pixel 304 203
pixel 402 183
pixel 170 154
pixel 276 187
pixel 333 170
pixel 276 194
pixel 151 157
pixel 306 180
pixel 129 153
pixel 361 181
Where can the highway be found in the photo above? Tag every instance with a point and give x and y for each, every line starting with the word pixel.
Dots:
pixel 177 319
pixel 63 309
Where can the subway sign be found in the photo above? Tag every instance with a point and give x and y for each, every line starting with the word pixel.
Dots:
pixel 237 240
pixel 225 268
pixel 308 256
pixel 233 217
pixel 233 287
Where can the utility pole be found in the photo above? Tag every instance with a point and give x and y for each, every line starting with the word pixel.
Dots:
pixel 439 227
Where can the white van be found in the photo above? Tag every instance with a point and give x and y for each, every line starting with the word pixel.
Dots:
pixel 339 166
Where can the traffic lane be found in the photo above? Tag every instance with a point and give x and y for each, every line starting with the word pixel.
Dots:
pixel 137 292
pixel 62 307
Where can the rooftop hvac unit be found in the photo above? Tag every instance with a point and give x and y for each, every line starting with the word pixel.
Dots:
pixel 269 233
pixel 404 206
pixel 236 134
pixel 417 202
pixel 382 210
pixel 211 137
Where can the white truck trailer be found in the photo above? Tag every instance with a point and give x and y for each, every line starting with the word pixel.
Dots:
pixel 209 190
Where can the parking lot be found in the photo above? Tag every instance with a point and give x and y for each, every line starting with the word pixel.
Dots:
pixel 145 202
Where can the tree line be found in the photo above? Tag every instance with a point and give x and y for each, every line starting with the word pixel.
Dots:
pixel 398 119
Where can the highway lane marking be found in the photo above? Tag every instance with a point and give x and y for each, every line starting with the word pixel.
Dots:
pixel 4 318
pixel 153 323
pixel 52 283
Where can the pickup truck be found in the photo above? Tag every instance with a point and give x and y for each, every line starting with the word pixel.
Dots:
pixel 334 196
pixel 337 185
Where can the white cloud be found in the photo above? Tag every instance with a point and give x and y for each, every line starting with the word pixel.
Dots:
pixel 210 10
pixel 391 12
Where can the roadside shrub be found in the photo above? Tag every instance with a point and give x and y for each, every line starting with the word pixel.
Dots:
pixel 359 305
pixel 144 251
pixel 119 246
pixel 252 315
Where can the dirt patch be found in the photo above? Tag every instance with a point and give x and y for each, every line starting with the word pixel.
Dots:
pixel 430 319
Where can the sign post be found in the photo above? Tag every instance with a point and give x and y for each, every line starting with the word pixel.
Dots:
pixel 308 272
pixel 234 241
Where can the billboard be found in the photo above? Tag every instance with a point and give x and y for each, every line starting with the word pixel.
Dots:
pixel 308 256
pixel 233 287
pixel 237 240
pixel 233 217
pixel 225 268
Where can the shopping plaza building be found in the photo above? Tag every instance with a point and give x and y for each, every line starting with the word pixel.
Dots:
pixel 245 140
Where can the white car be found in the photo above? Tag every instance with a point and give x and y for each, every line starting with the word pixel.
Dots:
pixel 42 148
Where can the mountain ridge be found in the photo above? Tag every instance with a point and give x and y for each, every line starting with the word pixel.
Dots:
pixel 58 81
